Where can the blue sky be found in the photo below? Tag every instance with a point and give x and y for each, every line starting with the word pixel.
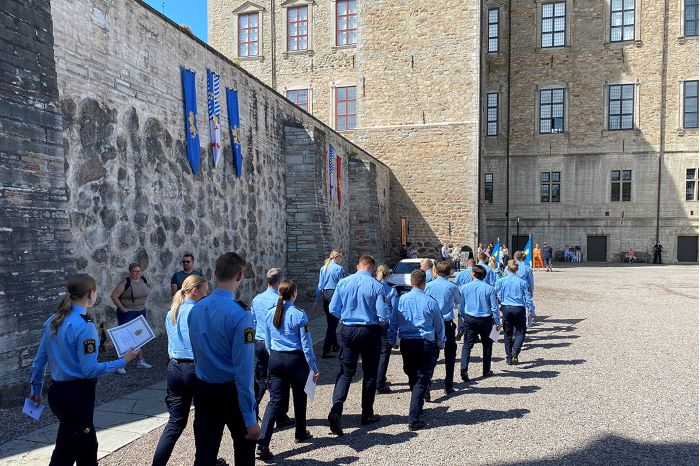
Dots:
pixel 190 12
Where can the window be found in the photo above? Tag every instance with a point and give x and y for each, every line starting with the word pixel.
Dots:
pixel 553 24
pixel 621 185
pixel 550 187
pixel 552 111
pixel 492 114
pixel 346 22
pixel 690 104
pixel 690 22
pixel 488 187
pixel 493 30
pixel 345 108
pixel 691 184
pixel 621 107
pixel 300 97
pixel 248 30
pixel 622 20
pixel 298 28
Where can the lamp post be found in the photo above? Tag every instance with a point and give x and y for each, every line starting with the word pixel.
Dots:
pixel 517 234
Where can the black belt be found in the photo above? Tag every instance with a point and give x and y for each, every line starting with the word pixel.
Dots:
pixel 185 361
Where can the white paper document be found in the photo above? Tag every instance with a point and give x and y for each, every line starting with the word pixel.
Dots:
pixel 529 320
pixel 32 410
pixel 310 387
pixel 133 334
pixel 494 333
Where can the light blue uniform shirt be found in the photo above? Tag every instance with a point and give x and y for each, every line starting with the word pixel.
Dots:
pixel 329 277
pixel 294 334
pixel 512 291
pixel 71 353
pixel 428 275
pixel 525 272
pixel 490 274
pixel 260 305
pixel 391 297
pixel 418 316
pixel 446 294
pixel 222 336
pixel 464 277
pixel 179 346
pixel 359 300
pixel 479 300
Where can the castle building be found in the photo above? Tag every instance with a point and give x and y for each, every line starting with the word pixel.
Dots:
pixel 575 121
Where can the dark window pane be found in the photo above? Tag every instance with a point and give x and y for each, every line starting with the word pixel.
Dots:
pixel 626 191
pixel 615 192
pixel 488 193
pixel 544 193
pixel 615 175
pixel 690 190
pixel 555 176
pixel 489 177
pixel 690 173
pixel 545 177
pixel 626 175
pixel 555 192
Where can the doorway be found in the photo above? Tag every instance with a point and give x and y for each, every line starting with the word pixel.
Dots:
pixel 597 248
pixel 687 250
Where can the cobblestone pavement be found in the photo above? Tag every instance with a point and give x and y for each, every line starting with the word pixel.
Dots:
pixel 609 376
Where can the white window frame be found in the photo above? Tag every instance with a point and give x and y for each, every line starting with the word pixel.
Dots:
pixel 697 184
pixel 286 5
pixel 244 9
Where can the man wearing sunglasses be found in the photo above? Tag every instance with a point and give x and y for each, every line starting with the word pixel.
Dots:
pixel 187 270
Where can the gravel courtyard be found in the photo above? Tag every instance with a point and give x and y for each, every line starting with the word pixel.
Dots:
pixel 608 376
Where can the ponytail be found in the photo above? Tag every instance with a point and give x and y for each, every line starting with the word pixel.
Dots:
pixel 333 256
pixel 286 290
pixel 78 287
pixel 190 283
pixel 383 271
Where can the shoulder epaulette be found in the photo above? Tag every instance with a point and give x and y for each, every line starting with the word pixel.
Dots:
pixel 86 317
pixel 243 305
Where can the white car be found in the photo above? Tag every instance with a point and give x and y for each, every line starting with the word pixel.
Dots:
pixel 401 277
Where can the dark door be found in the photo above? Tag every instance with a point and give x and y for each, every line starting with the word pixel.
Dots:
pixel 519 242
pixel 687 250
pixel 597 248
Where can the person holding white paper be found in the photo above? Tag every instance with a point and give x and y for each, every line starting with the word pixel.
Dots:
pixel 70 344
pixel 288 340
pixel 479 311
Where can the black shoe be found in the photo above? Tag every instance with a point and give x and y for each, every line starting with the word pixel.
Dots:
pixel 417 426
pixel 334 421
pixel 459 336
pixel 449 391
pixel 327 356
pixel 307 436
pixel 465 376
pixel 509 361
pixel 488 374
pixel 370 420
pixel 335 348
pixel 514 362
pixel 264 453
pixel 285 422
pixel 385 390
pixel 427 396
pixel 221 462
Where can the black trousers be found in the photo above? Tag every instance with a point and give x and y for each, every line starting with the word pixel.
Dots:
pixel 514 328
pixel 287 369
pixel 216 406
pixel 450 355
pixel 384 355
pixel 477 327
pixel 331 321
pixel 73 403
pixel 657 257
pixel 355 342
pixel 261 376
pixel 418 364
pixel 181 383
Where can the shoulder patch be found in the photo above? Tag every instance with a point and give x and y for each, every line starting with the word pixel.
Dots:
pixel 90 346
pixel 249 335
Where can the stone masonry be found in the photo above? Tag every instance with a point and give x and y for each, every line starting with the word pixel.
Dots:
pixel 94 172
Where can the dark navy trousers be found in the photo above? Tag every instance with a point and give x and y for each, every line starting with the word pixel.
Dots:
pixel 384 355
pixel 73 403
pixel 331 340
pixel 261 376
pixel 514 327
pixel 288 369
pixel 477 327
pixel 418 364
pixel 181 383
pixel 357 341
pixel 450 355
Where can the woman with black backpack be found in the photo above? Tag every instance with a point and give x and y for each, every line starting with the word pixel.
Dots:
pixel 130 298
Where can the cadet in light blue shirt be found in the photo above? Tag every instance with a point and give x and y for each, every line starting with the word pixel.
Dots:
pixel 447 296
pixel 291 358
pixel 420 326
pixel 222 336
pixel 479 311
pixel 512 292
pixel 391 299
pixel 181 379
pixel 525 272
pixel 465 276
pixel 426 265
pixel 490 274
pixel 70 346
pixel 359 303
pixel 331 273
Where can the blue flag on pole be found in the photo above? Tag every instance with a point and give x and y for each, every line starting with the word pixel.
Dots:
pixel 189 93
pixel 234 125
pixel 527 252
pixel 496 253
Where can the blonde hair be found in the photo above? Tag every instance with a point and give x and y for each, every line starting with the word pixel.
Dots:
pixel 190 283
pixel 332 256
pixel 383 271
pixel 513 266
pixel 78 287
